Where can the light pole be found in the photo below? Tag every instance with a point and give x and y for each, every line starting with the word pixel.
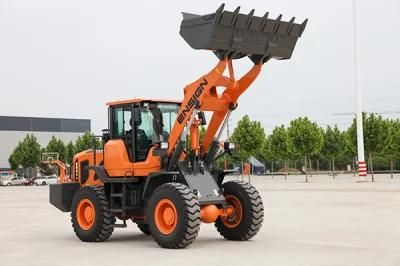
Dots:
pixel 362 167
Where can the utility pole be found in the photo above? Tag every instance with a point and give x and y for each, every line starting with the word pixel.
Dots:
pixel 362 168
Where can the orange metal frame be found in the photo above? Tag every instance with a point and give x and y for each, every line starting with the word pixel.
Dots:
pixel 204 91
pixel 62 178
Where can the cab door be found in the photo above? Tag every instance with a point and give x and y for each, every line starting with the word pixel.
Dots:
pixel 145 161
pixel 119 150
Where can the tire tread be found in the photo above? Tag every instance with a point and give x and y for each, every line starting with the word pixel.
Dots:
pixel 254 207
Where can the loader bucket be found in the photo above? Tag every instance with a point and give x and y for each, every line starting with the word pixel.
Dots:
pixel 235 35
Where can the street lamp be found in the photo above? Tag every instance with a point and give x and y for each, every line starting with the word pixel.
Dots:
pixel 362 167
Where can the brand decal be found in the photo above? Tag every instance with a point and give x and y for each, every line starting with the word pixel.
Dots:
pixel 193 101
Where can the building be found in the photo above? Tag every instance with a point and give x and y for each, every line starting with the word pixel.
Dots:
pixel 14 129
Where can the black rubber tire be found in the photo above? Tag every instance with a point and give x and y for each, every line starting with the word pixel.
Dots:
pixel 253 211
pixel 188 211
pixel 144 228
pixel 102 228
pixel 43 183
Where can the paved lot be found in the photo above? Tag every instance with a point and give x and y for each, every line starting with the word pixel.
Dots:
pixel 325 222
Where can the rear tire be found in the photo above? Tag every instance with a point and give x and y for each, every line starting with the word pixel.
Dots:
pixel 173 215
pixel 144 228
pixel 91 218
pixel 248 212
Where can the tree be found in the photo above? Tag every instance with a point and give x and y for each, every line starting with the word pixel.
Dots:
pixel 334 145
pixel 70 150
pixel 350 137
pixel 86 142
pixel 202 133
pixel 27 152
pixel 305 138
pixel 268 154
pixel 392 145
pixel 279 145
pixel 250 137
pixel 57 145
pixel 13 162
pixel 376 135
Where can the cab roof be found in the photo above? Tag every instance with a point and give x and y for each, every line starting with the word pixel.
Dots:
pixel 138 100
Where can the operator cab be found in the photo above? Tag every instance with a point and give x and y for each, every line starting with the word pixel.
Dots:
pixel 141 124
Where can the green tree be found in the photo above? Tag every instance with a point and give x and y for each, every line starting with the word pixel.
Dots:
pixel 27 152
pixel 334 145
pixel 57 145
pixel 13 162
pixel 280 146
pixel 392 145
pixel 268 154
pixel 375 137
pixel 350 136
pixel 86 142
pixel 70 150
pixel 250 137
pixel 305 138
pixel 202 133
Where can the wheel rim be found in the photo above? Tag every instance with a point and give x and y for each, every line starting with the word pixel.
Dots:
pixel 235 218
pixel 166 216
pixel 85 214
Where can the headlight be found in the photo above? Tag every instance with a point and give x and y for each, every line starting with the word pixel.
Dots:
pixel 164 145
pixel 229 146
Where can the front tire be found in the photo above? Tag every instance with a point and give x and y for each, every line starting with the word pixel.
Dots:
pixel 173 215
pixel 91 218
pixel 248 214
pixel 144 228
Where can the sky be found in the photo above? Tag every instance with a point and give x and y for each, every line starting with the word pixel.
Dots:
pixel 68 58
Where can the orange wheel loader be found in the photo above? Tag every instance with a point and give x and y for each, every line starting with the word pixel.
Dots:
pixel 147 172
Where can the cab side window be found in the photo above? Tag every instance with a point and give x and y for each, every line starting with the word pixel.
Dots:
pixel 146 126
pixel 122 121
pixel 145 135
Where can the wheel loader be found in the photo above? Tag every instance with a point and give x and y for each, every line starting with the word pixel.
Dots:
pixel 153 169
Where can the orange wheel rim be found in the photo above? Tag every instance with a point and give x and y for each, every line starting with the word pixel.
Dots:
pixel 85 214
pixel 235 218
pixel 166 216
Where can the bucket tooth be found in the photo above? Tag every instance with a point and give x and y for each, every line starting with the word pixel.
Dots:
pixel 250 18
pixel 235 15
pixel 277 23
pixel 218 13
pixel 231 34
pixel 220 9
pixel 264 21
pixel 303 27
pixel 290 26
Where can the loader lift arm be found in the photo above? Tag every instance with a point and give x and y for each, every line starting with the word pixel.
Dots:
pixel 202 95
pixel 230 35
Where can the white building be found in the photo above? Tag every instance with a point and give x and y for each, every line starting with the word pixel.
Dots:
pixel 14 129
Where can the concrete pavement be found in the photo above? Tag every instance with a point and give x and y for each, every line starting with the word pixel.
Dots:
pixel 325 222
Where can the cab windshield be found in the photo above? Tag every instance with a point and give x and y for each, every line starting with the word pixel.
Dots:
pixel 158 120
